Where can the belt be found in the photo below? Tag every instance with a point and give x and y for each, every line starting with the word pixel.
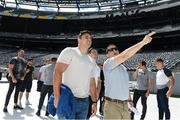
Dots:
pixel 79 99
pixel 163 89
pixel 116 100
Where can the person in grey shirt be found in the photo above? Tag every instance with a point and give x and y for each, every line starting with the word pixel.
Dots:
pixel 116 80
pixel 47 85
pixel 144 84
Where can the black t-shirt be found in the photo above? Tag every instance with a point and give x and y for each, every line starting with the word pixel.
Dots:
pixel 29 75
pixel 19 66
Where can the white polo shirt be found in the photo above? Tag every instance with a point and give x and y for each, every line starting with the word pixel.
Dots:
pixel 162 78
pixel 78 73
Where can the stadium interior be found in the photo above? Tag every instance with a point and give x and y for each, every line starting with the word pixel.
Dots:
pixel 45 27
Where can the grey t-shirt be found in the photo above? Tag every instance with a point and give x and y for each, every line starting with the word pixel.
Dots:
pixel 143 78
pixel 116 80
pixel 48 75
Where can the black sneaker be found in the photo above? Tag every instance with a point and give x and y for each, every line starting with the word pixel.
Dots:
pixel 5 110
pixel 18 107
pixel 47 114
pixel 38 113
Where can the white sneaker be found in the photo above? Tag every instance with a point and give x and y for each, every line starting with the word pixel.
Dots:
pixel 27 102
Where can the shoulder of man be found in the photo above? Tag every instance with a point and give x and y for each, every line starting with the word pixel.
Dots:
pixel 150 74
pixel 42 68
pixel 13 60
pixel 124 67
pixel 109 64
pixel 167 72
pixel 47 66
pixel 69 49
pixel 108 60
pixel 148 71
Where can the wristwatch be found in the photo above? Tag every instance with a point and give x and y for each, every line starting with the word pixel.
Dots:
pixel 94 102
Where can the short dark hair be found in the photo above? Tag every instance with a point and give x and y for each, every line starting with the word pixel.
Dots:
pixel 159 60
pixel 90 49
pixel 143 63
pixel 53 59
pixel 81 33
pixel 30 59
pixel 110 45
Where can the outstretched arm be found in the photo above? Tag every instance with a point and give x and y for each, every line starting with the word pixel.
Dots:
pixel 128 53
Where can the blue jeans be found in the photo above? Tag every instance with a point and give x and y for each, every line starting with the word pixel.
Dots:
pixel 82 106
pixel 163 104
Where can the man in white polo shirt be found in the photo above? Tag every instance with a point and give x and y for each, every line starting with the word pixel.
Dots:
pixel 75 69
pixel 117 80
pixel 163 78
pixel 93 55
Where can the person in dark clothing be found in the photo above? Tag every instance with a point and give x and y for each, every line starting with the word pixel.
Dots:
pixel 101 95
pixel 16 70
pixel 27 82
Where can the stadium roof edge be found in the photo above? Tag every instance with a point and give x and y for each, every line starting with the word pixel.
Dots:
pixel 36 14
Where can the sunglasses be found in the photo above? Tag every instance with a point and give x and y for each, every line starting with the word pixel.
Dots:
pixel 111 49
